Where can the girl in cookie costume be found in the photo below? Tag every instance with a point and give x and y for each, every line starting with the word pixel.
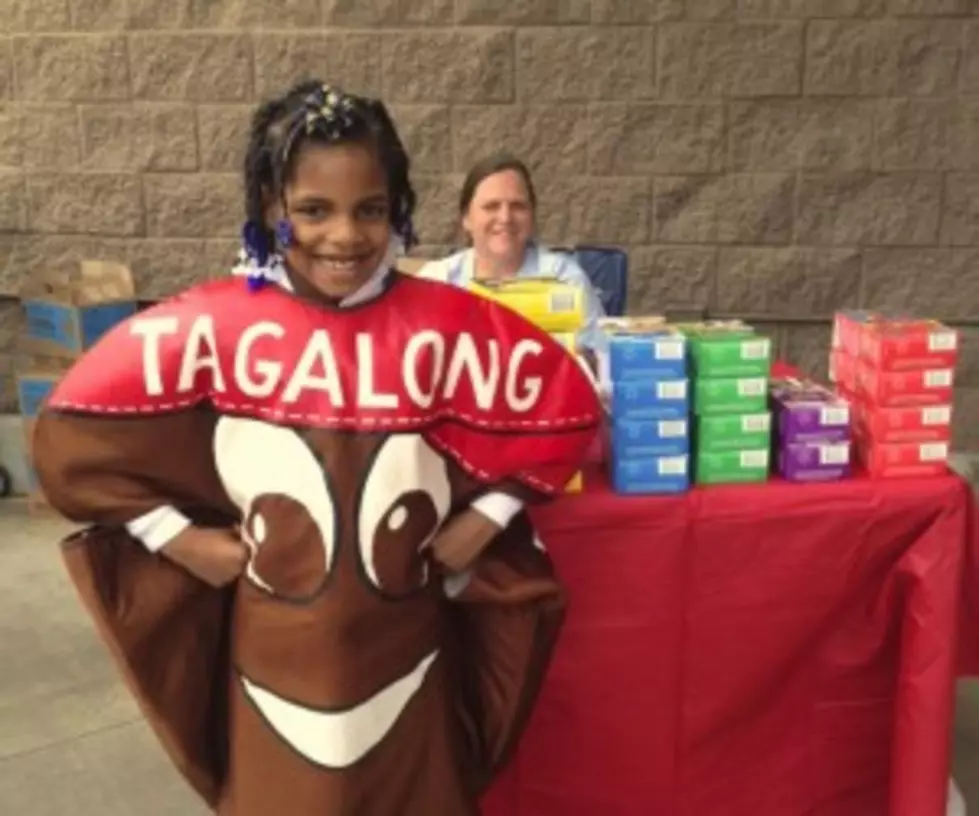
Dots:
pixel 303 487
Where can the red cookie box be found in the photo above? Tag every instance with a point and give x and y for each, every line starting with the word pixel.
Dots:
pixel 931 423
pixel 895 343
pixel 903 459
pixel 890 389
pixel 908 345
pixel 843 371
pixel 847 328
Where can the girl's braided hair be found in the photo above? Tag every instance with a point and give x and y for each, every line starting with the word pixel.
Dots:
pixel 315 112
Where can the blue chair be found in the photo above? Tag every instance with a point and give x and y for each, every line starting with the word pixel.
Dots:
pixel 608 270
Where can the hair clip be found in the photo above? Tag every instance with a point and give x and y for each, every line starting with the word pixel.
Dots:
pixel 327 110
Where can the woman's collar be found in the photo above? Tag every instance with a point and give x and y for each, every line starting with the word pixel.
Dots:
pixel 528 262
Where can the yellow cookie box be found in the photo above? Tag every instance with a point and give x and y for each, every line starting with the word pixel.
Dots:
pixel 547 303
pixel 566 339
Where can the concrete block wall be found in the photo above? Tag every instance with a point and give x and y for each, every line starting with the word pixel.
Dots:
pixel 779 158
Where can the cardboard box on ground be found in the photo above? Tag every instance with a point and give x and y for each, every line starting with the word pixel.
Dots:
pixel 65 314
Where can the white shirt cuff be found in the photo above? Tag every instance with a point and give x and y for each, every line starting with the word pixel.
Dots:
pixel 159 527
pixel 456 583
pixel 500 508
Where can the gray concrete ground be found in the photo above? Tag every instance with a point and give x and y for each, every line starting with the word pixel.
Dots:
pixel 71 741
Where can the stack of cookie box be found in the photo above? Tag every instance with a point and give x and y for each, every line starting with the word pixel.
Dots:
pixel 649 428
pixel 730 365
pixel 899 374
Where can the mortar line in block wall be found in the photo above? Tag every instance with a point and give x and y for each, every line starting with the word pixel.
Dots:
pixel 803 57
pixel 727 121
pixel 28 204
pixel 489 103
pixel 122 171
pixel 14 78
pixel 128 66
pixel 862 282
pixel 144 220
pixel 818 320
pixel 714 290
pixel 82 141
pixel 779 333
pixel 796 204
pixel 942 196
pixel 253 66
pixel 774 318
pixel 963 50
pixel 453 157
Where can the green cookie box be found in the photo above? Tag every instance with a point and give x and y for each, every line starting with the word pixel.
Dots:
pixel 732 467
pixel 730 395
pixel 727 349
pixel 732 432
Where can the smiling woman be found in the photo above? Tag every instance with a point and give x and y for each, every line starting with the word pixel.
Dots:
pixel 497 213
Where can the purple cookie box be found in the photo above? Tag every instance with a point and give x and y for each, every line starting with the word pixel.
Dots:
pixel 807 412
pixel 822 461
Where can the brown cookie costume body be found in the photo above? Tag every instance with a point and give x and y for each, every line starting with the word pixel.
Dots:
pixel 343 675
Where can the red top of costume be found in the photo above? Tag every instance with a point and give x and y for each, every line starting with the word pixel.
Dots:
pixel 473 376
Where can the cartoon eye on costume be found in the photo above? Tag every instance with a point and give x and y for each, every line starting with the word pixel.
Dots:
pixel 281 498
pixel 404 500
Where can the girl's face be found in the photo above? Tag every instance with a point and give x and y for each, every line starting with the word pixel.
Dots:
pixel 339 208
pixel 500 217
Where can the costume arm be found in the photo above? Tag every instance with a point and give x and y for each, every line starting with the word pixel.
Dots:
pixel 146 472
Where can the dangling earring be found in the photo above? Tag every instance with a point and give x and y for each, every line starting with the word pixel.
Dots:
pixel 254 239
pixel 283 233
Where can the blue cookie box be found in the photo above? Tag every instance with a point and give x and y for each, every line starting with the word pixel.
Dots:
pixel 650 438
pixel 654 356
pixel 651 399
pixel 657 475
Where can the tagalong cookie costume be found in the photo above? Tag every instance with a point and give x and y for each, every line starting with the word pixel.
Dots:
pixel 342 675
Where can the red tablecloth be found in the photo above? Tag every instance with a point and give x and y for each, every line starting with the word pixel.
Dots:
pixel 771 650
